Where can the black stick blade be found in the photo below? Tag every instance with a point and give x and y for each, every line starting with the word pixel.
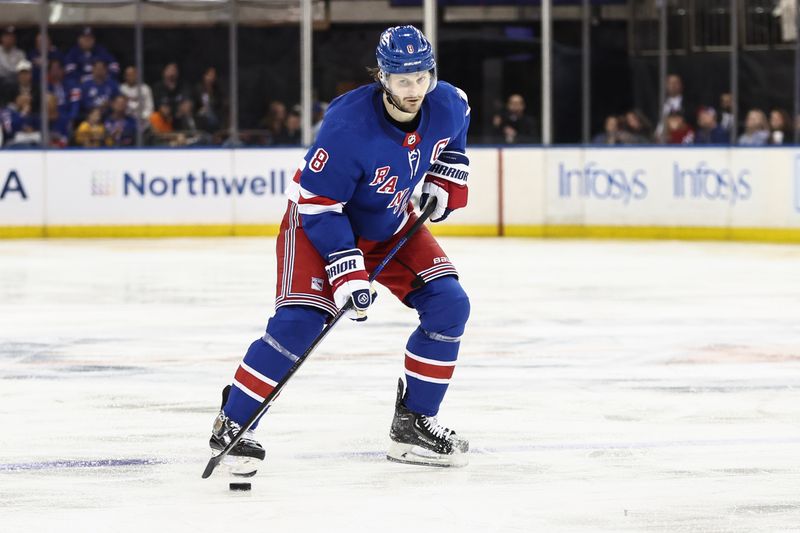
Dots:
pixel 212 464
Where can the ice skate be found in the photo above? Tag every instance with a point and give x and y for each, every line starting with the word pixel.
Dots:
pixel 420 440
pixel 244 458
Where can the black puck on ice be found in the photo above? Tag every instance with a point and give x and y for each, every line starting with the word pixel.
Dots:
pixel 240 486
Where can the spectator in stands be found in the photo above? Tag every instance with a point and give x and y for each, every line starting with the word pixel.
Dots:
pixel 611 132
pixel 20 124
pixel 120 127
pixel 81 59
pixel 678 130
pixel 10 55
pixel 756 129
pixel 99 90
pixel 726 111
pixel 91 133
pixel 35 55
pixel 708 130
pixel 675 103
pixel 59 125
pixel 291 134
pixel 7 121
pixel 62 90
pixel 129 88
pixel 636 128
pixel 787 11
pixel 273 122
pixel 513 125
pixel 24 84
pixel 170 88
pixel 780 126
pixel 209 97
pixel 161 123
pixel 184 117
pixel 161 119
pixel 185 122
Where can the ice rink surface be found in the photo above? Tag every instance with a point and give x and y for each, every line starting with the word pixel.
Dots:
pixel 604 386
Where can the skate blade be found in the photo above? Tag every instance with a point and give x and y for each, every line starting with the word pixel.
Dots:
pixel 238 466
pixel 414 455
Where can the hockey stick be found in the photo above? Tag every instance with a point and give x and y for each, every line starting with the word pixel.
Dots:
pixel 217 459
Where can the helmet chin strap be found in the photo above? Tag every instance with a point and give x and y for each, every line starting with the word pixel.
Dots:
pixel 390 97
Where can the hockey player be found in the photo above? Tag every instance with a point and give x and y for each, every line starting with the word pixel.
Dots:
pixel 348 206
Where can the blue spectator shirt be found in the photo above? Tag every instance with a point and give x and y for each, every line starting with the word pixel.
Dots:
pixel 34 56
pixel 757 138
pixel 78 65
pixel 95 94
pixel 717 135
pixel 122 131
pixel 59 131
pixel 66 95
pixel 13 121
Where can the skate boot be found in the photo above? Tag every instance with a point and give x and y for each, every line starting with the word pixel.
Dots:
pixel 420 440
pixel 244 458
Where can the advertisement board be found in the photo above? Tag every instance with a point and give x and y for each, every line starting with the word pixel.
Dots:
pixel 22 192
pixel 684 192
pixel 522 184
pixel 268 172
pixel 167 187
pixel 650 189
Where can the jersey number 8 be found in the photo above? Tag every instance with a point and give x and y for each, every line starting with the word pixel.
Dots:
pixel 319 160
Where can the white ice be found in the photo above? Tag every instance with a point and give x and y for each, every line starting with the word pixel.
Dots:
pixel 604 386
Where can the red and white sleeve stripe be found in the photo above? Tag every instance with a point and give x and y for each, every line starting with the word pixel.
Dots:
pixel 312 204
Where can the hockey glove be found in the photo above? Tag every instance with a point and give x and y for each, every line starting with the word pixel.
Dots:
pixel 349 279
pixel 447 181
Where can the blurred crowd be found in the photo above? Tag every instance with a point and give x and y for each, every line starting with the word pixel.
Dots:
pixel 681 122
pixel 685 122
pixel 92 102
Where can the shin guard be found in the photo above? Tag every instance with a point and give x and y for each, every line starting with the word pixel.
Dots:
pixel 289 333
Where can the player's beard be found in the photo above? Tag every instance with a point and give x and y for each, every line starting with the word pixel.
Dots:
pixel 411 106
pixel 404 105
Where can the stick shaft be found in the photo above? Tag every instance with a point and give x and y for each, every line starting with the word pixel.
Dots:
pixel 216 460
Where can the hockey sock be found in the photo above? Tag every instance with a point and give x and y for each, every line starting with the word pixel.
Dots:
pixel 432 349
pixel 289 333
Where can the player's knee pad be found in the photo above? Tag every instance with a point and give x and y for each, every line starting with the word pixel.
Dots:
pixel 443 306
pixel 293 328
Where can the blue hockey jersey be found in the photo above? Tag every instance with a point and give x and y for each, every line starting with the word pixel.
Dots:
pixel 95 94
pixel 360 172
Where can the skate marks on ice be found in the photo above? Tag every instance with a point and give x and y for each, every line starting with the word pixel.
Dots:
pixel 604 386
pixel 595 449
pixel 65 464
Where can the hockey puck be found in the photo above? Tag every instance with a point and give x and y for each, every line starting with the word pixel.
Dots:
pixel 240 486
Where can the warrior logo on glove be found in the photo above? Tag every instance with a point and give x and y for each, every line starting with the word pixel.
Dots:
pixel 447 181
pixel 349 279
